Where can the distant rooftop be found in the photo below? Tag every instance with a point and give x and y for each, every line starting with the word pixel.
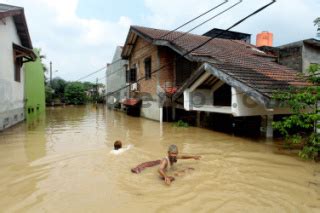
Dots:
pixel 220 33
pixel 310 41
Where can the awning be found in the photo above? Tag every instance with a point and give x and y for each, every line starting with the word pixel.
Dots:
pixel 131 102
pixel 23 52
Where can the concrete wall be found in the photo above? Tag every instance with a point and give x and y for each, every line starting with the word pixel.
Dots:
pixel 116 78
pixel 291 56
pixel 151 109
pixel 241 104
pixel 311 55
pixel 11 92
pixel 34 87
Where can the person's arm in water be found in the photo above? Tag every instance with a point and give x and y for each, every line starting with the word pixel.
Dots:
pixel 167 179
pixel 195 157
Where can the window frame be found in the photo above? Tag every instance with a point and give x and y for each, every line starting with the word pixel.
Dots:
pixel 18 63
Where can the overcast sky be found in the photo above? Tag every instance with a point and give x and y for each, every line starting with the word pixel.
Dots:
pixel 80 36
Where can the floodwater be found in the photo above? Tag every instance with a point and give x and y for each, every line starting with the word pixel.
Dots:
pixel 62 163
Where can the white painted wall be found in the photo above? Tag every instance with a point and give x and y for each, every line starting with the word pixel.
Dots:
pixel 202 100
pixel 11 92
pixel 243 105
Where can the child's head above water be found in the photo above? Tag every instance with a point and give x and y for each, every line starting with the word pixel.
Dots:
pixel 117 145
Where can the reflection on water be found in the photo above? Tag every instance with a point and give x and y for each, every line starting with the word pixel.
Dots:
pixel 61 162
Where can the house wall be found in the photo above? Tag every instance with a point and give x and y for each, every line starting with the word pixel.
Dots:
pixel 310 55
pixel 34 88
pixel 291 57
pixel 241 104
pixel 116 79
pixel 183 70
pixel 161 57
pixel 11 92
pixel 141 51
pixel 167 65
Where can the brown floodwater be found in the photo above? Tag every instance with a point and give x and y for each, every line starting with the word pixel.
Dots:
pixel 61 162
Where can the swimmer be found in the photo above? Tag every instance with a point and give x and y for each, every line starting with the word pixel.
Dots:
pixel 144 165
pixel 117 148
pixel 167 163
pixel 117 145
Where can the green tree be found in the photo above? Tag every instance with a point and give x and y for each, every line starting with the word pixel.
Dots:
pixel 88 85
pixel 58 85
pixel 75 93
pixel 302 127
pixel 49 94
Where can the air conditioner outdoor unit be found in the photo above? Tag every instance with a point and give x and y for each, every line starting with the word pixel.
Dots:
pixel 134 87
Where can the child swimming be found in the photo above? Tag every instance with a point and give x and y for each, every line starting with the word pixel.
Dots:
pixel 117 148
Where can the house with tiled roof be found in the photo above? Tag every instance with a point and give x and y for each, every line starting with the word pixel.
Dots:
pixel 226 82
pixel 16 50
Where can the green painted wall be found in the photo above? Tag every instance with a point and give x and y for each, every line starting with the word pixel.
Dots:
pixel 34 88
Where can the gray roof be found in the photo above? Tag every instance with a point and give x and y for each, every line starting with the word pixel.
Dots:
pixel 310 41
pixel 7 8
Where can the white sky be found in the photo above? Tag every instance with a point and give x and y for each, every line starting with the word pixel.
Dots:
pixel 79 41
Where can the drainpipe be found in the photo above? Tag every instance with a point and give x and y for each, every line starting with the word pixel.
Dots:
pixel 161 115
pixel 158 86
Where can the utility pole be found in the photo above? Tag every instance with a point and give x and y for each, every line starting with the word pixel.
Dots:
pixel 51 73
pixel 97 93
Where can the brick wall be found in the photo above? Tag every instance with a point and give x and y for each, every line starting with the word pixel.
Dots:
pixel 167 57
pixel 160 56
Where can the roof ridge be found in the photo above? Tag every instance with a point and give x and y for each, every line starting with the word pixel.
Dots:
pixel 151 28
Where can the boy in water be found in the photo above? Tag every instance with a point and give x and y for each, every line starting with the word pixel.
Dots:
pixel 117 145
pixel 171 159
pixel 118 148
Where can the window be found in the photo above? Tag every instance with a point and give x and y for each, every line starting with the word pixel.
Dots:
pixel 222 96
pixel 147 68
pixel 131 75
pixel 17 69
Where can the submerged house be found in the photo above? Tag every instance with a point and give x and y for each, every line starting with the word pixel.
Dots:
pixel 16 50
pixel 224 84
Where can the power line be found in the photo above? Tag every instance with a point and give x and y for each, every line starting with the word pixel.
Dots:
pixel 192 20
pixel 149 44
pixel 99 70
pixel 213 17
pixel 172 31
pixel 199 46
pixel 199 25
